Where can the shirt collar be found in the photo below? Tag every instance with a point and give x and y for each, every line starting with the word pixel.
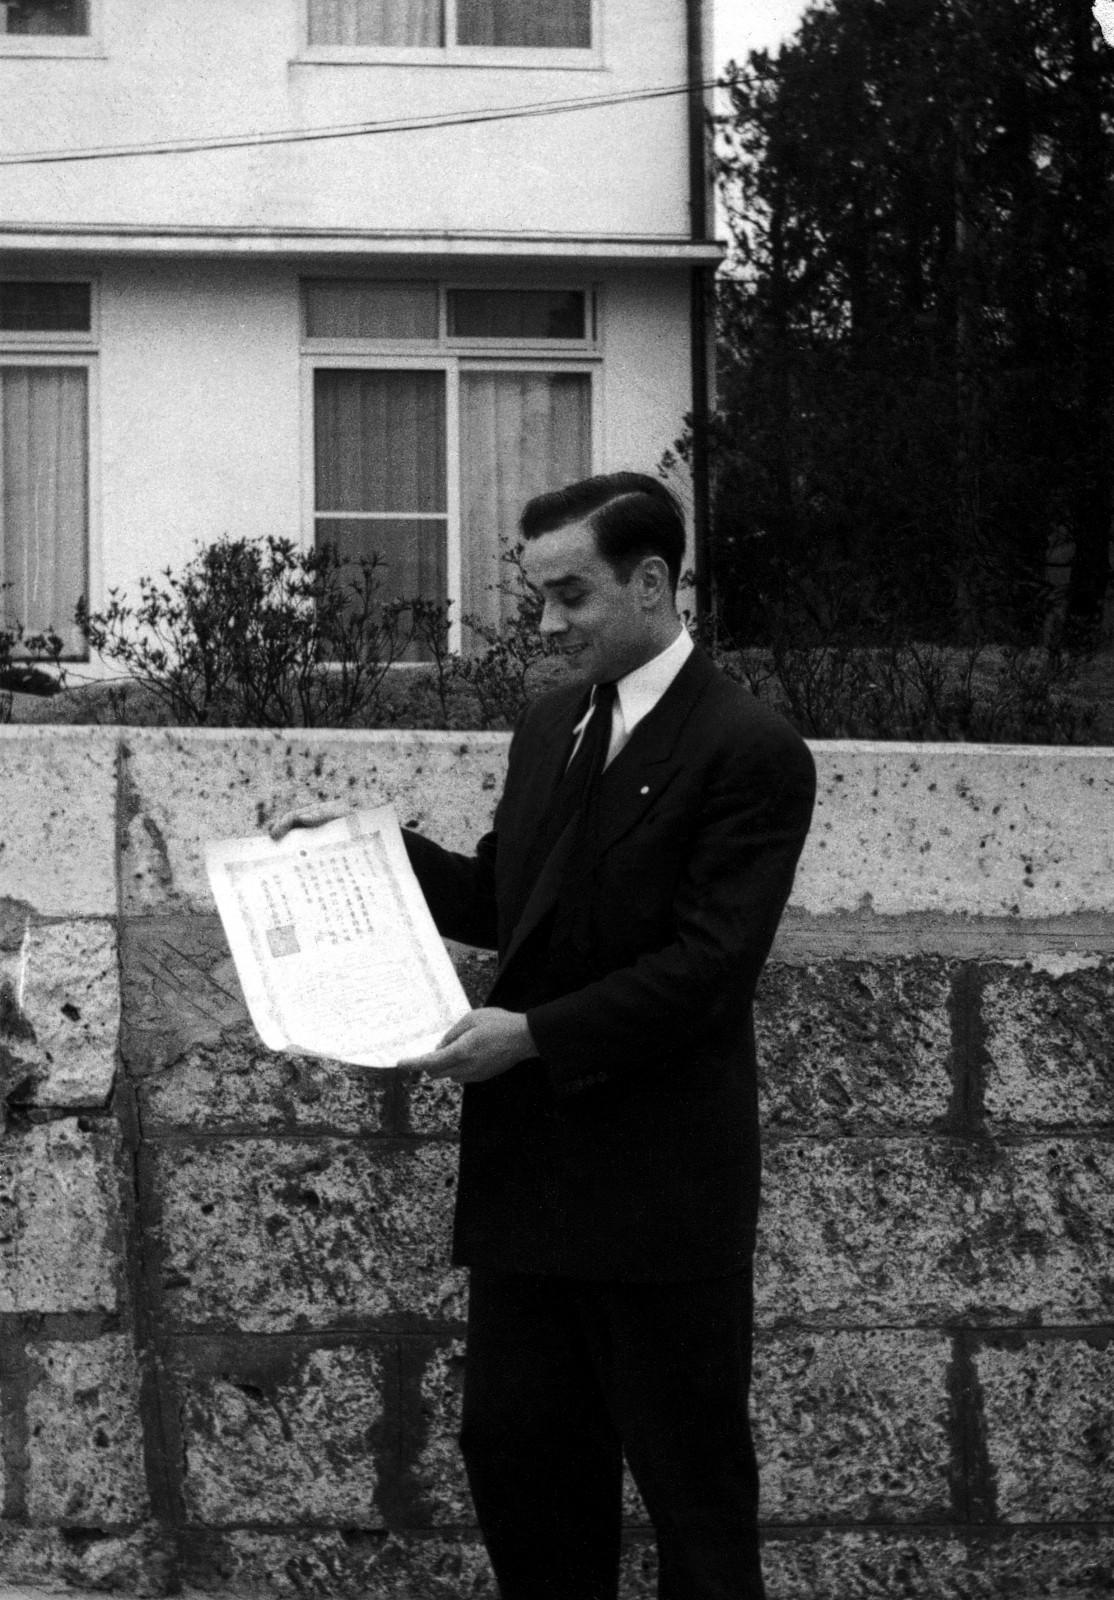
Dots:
pixel 640 690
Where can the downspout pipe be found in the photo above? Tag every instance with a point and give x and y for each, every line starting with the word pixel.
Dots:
pixel 700 304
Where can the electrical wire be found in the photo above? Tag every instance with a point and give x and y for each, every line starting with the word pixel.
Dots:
pixel 356 130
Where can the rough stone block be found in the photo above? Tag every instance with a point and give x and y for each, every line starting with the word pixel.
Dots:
pixel 330 1565
pixel 275 1435
pixel 853 1427
pixel 186 786
pixel 138 1562
pixel 854 1046
pixel 916 1231
pixel 438 1468
pixel 980 830
pixel 58 827
pixel 180 991
pixel 1049 1047
pixel 933 1565
pixel 432 1105
pixel 269 1235
pixel 84 1440
pixel 59 1014
pixel 59 1233
pixel 236 1087
pixel 1048 1406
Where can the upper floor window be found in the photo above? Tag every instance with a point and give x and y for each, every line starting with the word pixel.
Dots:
pixel 49 27
pixel 52 17
pixel 454 25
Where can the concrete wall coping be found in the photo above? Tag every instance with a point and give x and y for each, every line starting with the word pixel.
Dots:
pixel 962 831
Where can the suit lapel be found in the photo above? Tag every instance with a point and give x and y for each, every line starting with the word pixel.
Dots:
pixel 648 762
pixel 632 783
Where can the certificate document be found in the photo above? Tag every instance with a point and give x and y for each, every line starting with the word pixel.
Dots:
pixel 333 942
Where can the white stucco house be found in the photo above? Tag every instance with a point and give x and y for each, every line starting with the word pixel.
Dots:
pixel 370 271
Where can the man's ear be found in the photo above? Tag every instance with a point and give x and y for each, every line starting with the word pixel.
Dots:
pixel 652 575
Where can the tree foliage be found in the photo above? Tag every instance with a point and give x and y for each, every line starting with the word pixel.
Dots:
pixel 917 380
pixel 263 633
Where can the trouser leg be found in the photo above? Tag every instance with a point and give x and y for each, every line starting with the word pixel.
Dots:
pixel 544 1463
pixel 676 1370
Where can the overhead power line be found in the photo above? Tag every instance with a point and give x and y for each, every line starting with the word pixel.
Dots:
pixel 354 130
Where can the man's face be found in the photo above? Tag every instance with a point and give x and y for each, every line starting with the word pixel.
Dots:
pixel 599 624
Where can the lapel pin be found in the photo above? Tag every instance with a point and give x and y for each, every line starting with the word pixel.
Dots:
pixel 645 789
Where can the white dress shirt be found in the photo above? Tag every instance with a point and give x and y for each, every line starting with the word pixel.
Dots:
pixel 638 694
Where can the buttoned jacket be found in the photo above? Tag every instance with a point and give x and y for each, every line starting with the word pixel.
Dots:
pixel 628 1148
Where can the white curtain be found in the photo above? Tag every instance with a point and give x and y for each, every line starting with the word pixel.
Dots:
pixel 375 22
pixel 522 433
pixel 527 24
pixel 43 496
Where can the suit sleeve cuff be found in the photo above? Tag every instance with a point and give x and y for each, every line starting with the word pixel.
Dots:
pixel 567 1075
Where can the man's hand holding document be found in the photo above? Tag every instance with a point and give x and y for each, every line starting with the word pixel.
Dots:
pixel 333 942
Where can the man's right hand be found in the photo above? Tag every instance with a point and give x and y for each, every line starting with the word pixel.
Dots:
pixel 314 816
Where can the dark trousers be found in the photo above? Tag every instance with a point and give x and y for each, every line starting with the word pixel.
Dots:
pixel 562 1379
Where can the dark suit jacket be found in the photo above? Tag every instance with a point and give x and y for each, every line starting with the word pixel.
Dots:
pixel 629 1150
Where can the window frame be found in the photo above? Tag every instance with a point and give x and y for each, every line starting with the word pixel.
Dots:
pixel 86 361
pixel 60 45
pixel 61 338
pixel 590 345
pixel 65 348
pixel 362 356
pixel 451 54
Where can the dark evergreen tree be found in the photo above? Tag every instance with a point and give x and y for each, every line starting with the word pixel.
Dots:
pixel 917 347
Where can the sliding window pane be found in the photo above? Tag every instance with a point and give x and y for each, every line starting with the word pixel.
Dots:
pixel 45 307
pixel 522 433
pixel 376 22
pixel 381 458
pixel 354 309
pixel 379 441
pixel 517 313
pixel 526 24
pixel 410 561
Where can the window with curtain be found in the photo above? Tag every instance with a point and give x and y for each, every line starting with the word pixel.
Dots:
pixel 508 24
pixel 521 434
pixel 427 461
pixel 380 475
pixel 54 18
pixel 376 22
pixel 44 497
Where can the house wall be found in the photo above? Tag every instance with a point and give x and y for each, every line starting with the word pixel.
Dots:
pixel 200 398
pixel 199 68
pixel 229 1337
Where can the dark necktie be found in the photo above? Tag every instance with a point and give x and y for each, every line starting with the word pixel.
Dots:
pixel 575 790
pixel 590 756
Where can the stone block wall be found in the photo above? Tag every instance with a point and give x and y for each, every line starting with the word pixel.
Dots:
pixel 230 1341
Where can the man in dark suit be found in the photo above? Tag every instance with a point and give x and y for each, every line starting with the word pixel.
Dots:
pixel 641 855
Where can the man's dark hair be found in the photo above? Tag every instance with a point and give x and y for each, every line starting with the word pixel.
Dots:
pixel 631 514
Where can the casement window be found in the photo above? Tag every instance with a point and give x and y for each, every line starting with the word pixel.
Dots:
pixel 532 27
pixel 437 412
pixel 46 340
pixel 49 27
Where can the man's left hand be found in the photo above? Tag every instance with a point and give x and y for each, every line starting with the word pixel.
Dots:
pixel 481 1045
